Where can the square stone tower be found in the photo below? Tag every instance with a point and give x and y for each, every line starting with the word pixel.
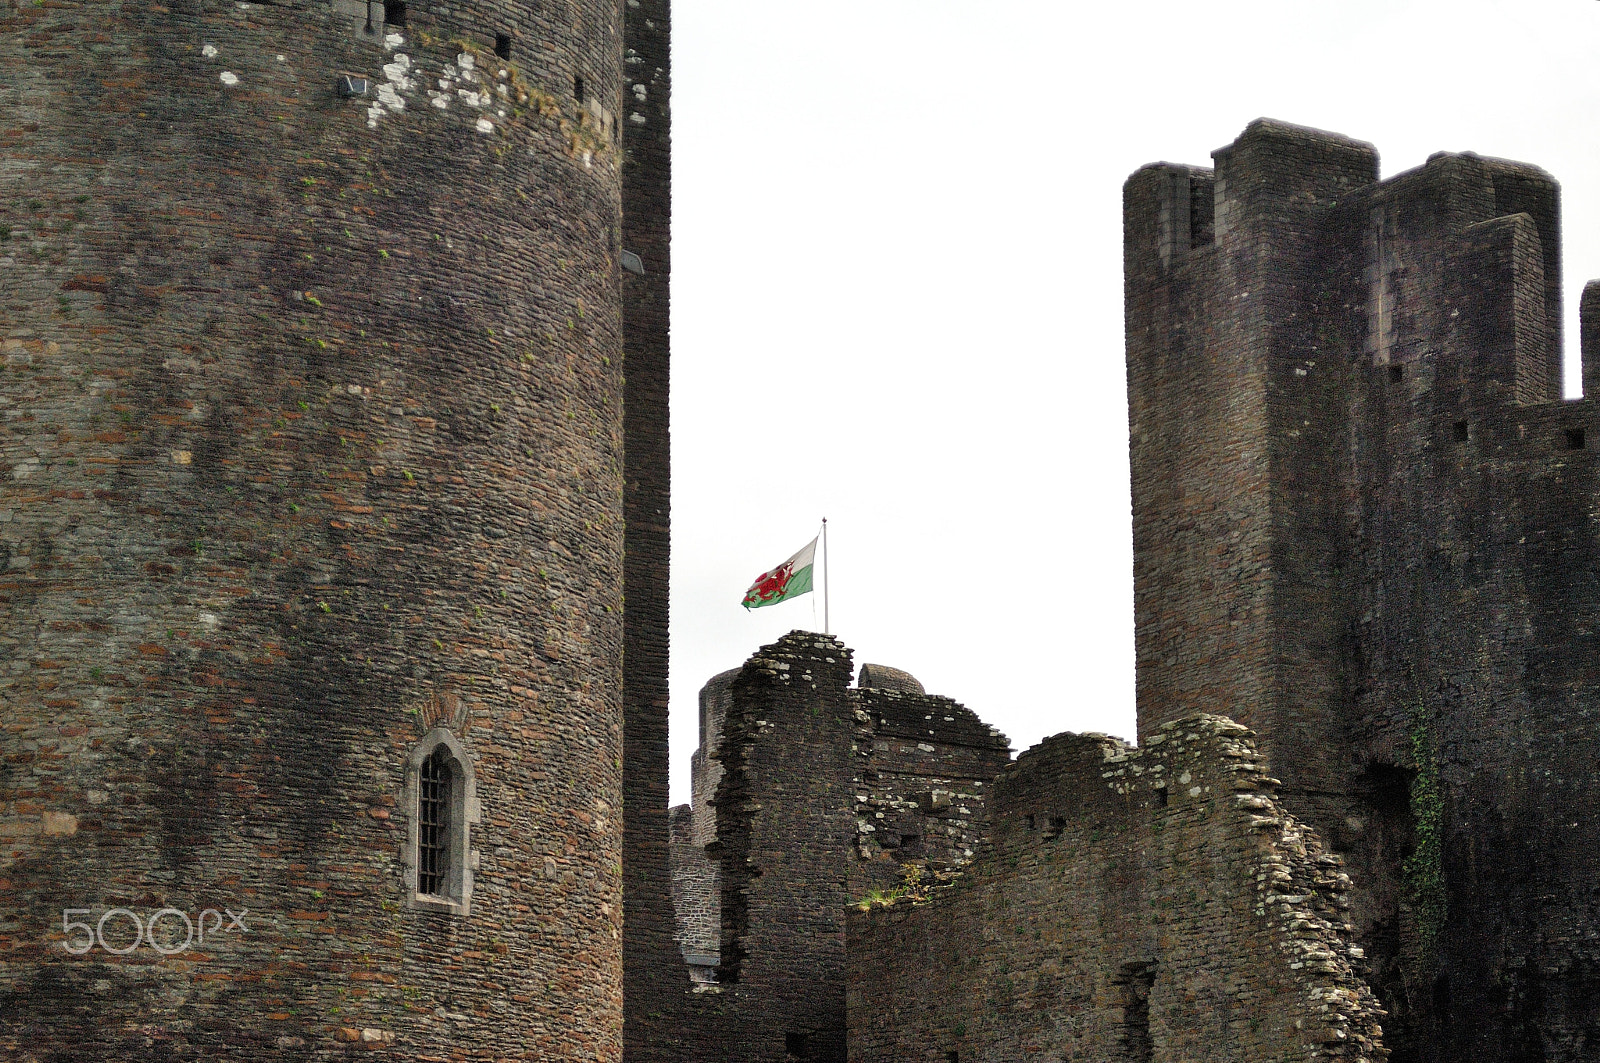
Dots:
pixel 1364 526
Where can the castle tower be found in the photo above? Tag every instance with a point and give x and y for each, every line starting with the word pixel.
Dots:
pixel 1363 527
pixel 1213 265
pixel 311 528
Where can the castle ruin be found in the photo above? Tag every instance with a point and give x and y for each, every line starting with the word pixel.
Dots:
pixel 1355 826
pixel 334 547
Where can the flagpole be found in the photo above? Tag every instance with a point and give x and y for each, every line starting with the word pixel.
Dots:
pixel 826 629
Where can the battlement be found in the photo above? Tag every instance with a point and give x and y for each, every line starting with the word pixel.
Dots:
pixel 1179 218
pixel 1299 214
pixel 1174 213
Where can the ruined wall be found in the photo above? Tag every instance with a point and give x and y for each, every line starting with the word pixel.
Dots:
pixel 1426 561
pixel 705 767
pixel 928 766
pixel 696 874
pixel 312 439
pixel 1140 905
pixel 785 827
pixel 825 793
pixel 696 899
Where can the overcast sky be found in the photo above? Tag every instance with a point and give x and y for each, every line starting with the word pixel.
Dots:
pixel 897 295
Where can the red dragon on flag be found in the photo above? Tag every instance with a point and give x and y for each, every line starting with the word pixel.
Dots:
pixel 788 580
pixel 769 585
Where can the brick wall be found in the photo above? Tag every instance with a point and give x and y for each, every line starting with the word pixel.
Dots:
pixel 1150 904
pixel 312 438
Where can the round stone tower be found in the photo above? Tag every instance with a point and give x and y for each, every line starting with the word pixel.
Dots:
pixel 310 530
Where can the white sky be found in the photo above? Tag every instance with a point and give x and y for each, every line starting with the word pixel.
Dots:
pixel 897 295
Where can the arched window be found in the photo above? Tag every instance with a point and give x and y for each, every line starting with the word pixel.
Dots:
pixel 433 821
pixel 442 805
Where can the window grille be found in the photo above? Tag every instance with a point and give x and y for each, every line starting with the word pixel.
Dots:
pixel 441 805
pixel 433 809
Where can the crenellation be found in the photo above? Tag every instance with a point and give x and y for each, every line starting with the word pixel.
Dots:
pixel 1185 211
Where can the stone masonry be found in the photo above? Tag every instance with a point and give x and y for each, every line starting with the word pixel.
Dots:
pixel 1364 524
pixel 312 443
pixel 334 448
pixel 649 951
pixel 1152 904
pixel 824 793
pixel 696 899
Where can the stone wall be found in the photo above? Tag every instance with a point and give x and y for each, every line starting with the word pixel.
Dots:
pixel 928 764
pixel 696 899
pixel 696 875
pixel 785 828
pixel 1206 316
pixel 651 963
pixel 311 440
pixel 1361 508
pixel 1132 904
pixel 705 768
pixel 825 793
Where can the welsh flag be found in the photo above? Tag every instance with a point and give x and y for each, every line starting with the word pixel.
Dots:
pixel 789 580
